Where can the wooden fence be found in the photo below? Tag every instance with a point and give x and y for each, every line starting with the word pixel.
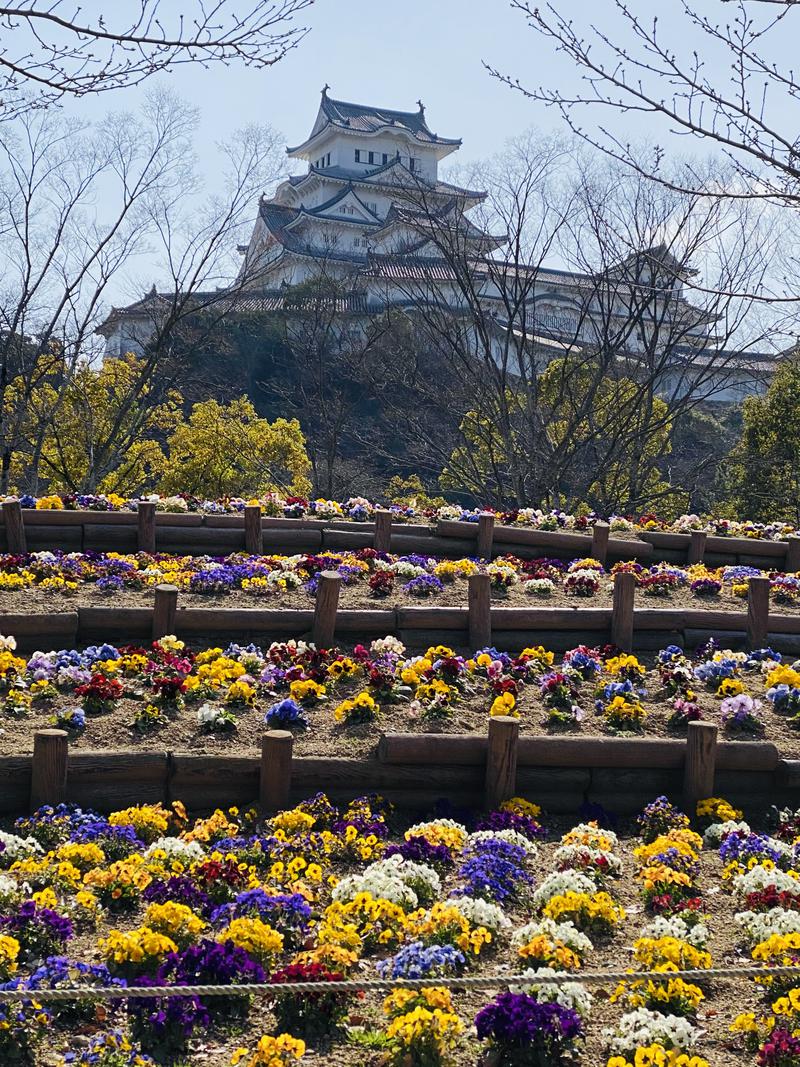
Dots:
pixel 414 771
pixel 480 623
pixel 23 529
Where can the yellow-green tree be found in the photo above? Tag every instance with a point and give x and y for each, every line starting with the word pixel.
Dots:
pixel 578 437
pixel 101 430
pixel 228 450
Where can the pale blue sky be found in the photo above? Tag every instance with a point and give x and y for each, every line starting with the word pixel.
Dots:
pixel 391 54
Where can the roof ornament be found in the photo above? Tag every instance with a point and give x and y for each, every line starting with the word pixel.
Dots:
pixel 421 107
pixel 325 89
pixel 153 291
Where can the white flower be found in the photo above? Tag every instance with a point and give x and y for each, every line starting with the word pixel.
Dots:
pixel 17 848
pixel 566 932
pixel 567 994
pixel 176 849
pixel 758 926
pixel 643 1027
pixel 396 879
pixel 562 882
pixel 387 644
pixel 8 644
pixel 480 912
pixel 511 837
pixel 677 927
pixel 568 856
pixel 539 587
pixel 759 878
pixel 718 831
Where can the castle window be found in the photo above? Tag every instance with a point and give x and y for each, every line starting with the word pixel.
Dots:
pixel 412 163
pixel 358 155
pixel 328 160
pixel 372 157
pixel 385 157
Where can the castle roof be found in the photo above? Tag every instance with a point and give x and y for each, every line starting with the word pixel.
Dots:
pixel 368 119
pixel 342 174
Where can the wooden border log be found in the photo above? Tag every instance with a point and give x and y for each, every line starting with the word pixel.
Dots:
pixel 469 750
pixel 275 776
pixel 382 539
pixel 697 546
pixel 600 534
pixel 165 608
pixel 293 621
pixel 129 622
pixel 49 767
pixel 109 780
pixel 208 782
pixel 479 611
pixel 757 612
pixel 325 608
pixel 253 534
pixel 698 771
pixel 15 528
pixel 105 538
pixel 146 526
pixel 485 534
pixel 501 761
pixel 622 610
pixel 792 562
pixel 60 624
pixel 577 619
pixel 15 784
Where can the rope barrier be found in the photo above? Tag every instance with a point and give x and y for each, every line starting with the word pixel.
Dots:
pixel 377 984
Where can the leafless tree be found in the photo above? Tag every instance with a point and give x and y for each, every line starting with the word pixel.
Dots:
pixel 59 257
pixel 631 65
pixel 52 49
pixel 567 380
pixel 333 344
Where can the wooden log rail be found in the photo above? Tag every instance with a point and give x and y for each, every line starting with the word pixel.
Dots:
pixel 190 533
pixel 412 770
pixel 477 625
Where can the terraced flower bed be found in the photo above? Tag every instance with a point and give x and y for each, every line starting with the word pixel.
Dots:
pixel 360 510
pixel 338 703
pixel 148 897
pixel 44 581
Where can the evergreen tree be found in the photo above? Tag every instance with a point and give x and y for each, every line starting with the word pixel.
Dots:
pixel 763 470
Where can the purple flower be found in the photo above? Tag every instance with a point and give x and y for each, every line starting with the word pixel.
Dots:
pixel 525 1031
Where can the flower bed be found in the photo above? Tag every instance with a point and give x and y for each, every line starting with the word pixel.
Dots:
pixel 38 581
pixel 360 509
pixel 338 703
pixel 147 897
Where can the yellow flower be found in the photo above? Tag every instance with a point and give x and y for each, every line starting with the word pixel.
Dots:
pixel 505 704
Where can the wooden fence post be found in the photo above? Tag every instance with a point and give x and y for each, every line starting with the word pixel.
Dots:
pixel 622 610
pixel 382 540
pixel 479 611
pixel 49 767
pixel 146 531
pixel 15 528
pixel 757 612
pixel 792 554
pixel 276 770
pixel 253 534
pixel 164 610
pixel 698 770
pixel 501 761
pixel 485 534
pixel 697 546
pixel 600 535
pixel 325 608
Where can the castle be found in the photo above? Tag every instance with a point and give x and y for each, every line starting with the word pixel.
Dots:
pixel 367 211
